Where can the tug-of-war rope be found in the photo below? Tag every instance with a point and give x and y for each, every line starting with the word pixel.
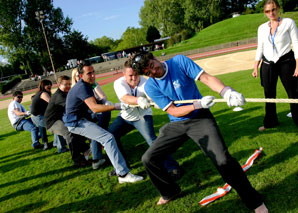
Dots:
pixel 253 100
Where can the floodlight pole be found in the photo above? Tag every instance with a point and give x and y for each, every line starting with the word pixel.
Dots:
pixel 40 17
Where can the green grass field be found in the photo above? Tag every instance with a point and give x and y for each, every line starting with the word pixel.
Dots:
pixel 229 30
pixel 43 181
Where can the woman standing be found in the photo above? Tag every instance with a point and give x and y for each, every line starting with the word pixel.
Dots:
pixel 274 48
pixel 39 105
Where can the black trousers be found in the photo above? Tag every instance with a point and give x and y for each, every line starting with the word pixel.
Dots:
pixel 204 131
pixel 284 68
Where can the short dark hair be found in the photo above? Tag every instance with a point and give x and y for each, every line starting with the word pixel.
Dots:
pixel 141 61
pixel 16 93
pixel 85 63
pixel 63 78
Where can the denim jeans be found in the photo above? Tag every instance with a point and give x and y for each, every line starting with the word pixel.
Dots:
pixel 60 143
pixel 92 131
pixel 121 127
pixel 103 120
pixel 76 144
pixel 40 124
pixel 27 125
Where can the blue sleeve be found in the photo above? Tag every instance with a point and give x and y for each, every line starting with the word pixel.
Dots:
pixel 85 92
pixel 189 67
pixel 156 94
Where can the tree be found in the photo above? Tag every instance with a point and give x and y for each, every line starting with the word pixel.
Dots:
pixel 152 34
pixel 132 37
pixel 21 36
pixel 105 43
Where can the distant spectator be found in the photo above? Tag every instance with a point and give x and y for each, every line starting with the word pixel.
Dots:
pixel 18 117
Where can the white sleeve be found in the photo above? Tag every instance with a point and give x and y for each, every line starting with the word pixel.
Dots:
pixel 260 47
pixel 294 37
pixel 121 88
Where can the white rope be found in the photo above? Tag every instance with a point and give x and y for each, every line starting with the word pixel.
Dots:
pixel 253 100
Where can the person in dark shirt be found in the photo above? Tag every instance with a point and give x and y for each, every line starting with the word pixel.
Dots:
pixel 78 120
pixel 39 105
pixel 53 120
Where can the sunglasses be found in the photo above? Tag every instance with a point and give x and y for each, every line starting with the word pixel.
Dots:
pixel 272 10
pixel 19 96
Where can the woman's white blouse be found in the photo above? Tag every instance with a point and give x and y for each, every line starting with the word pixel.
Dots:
pixel 287 34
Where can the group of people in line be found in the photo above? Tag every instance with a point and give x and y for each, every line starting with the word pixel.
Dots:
pixel 84 111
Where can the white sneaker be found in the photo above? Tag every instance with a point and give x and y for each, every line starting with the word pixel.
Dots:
pixel 289 115
pixel 130 178
pixel 96 165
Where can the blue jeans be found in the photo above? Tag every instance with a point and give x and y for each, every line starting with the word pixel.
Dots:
pixel 144 125
pixel 27 125
pixel 103 120
pixel 60 142
pixel 40 124
pixel 92 131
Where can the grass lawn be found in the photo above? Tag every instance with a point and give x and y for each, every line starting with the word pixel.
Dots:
pixel 229 30
pixel 43 181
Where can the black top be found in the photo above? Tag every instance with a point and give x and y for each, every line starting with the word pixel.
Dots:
pixel 38 105
pixel 55 108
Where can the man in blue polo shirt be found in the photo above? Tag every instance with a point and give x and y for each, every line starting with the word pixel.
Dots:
pixel 77 118
pixel 174 80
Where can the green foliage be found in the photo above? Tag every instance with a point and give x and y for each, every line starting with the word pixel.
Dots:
pixel 105 43
pixel 11 83
pixel 43 181
pixel 229 30
pixel 132 37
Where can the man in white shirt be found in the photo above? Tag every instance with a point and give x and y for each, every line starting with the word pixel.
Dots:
pixel 130 90
pixel 17 115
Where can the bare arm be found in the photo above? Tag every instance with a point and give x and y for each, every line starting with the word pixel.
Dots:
pixel 100 93
pixel 256 67
pixel 94 107
pixel 212 82
pixel 18 112
pixel 180 111
pixel 45 96
pixel 129 99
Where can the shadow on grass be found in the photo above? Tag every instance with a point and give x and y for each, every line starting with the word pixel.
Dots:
pixel 28 207
pixel 21 163
pixel 45 174
pixel 18 154
pixel 8 135
pixel 46 184
pixel 277 197
pixel 120 200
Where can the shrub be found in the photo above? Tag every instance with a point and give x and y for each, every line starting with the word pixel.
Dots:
pixel 11 83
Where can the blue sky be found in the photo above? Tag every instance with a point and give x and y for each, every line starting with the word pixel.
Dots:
pixel 96 18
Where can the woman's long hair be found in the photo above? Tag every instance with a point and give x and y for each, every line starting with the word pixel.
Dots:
pixel 43 84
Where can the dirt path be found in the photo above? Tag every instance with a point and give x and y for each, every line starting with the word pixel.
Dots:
pixel 213 65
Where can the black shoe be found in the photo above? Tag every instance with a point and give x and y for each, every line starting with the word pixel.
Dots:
pixel 82 163
pixel 112 173
pixel 175 174
pixel 38 146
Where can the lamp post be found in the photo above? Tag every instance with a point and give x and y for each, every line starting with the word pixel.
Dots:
pixel 40 17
